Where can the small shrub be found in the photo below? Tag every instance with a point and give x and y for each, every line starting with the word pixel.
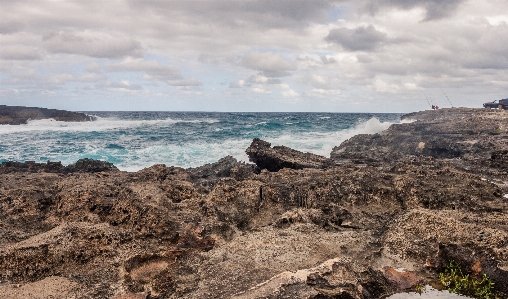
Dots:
pixel 456 282
pixel 420 288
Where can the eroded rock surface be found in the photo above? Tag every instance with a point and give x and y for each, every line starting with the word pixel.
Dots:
pixel 275 158
pixel 382 217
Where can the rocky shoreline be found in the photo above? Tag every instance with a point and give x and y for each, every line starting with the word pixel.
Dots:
pixel 292 225
pixel 18 115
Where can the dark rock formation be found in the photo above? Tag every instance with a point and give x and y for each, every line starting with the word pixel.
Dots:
pixel 469 134
pixel 299 228
pixel 17 115
pixel 278 157
pixel 82 165
pixel 226 167
pixel 90 165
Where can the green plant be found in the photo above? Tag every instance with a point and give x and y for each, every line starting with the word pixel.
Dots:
pixel 420 288
pixel 456 282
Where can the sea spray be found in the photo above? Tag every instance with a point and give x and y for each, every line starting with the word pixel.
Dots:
pixel 135 140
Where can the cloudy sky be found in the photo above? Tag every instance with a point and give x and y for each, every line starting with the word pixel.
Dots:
pixel 253 55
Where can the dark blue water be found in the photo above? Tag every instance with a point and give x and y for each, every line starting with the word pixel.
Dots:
pixel 134 140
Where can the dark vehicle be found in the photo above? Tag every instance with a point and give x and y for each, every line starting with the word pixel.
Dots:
pixel 501 104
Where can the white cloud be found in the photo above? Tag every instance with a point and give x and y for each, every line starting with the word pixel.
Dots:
pixel 67 77
pixel 260 79
pixel 270 64
pixel 93 67
pixel 316 92
pixel 238 84
pixel 260 90
pixel 367 50
pixel 20 52
pixel 90 45
pixel 384 87
pixel 290 93
pixel 154 70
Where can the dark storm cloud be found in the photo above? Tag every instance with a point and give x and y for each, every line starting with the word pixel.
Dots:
pixel 435 9
pixel 7 27
pixel 68 43
pixel 357 39
pixel 262 13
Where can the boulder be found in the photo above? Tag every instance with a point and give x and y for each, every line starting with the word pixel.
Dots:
pixel 278 157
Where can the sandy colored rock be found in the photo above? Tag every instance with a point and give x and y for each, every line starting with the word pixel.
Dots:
pixel 52 287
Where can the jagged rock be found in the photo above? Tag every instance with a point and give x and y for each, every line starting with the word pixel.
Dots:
pixel 82 165
pixel 17 115
pixel 90 165
pixel 278 157
pixel 31 166
pixel 469 134
pixel 297 228
pixel 207 175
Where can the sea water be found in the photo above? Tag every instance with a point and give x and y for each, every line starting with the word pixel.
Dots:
pixel 135 140
pixel 429 293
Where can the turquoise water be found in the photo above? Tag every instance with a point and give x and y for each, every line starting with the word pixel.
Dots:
pixel 135 140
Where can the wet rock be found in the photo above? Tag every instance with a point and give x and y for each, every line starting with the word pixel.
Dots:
pixel 278 157
pixel 402 280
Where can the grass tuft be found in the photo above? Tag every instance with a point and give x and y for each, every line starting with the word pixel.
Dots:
pixel 456 282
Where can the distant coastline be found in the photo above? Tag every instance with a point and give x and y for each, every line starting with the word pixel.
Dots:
pixel 18 115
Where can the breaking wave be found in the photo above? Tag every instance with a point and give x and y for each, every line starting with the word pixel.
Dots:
pixel 136 141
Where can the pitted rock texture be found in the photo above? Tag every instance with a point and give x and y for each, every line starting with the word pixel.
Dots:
pixel 364 228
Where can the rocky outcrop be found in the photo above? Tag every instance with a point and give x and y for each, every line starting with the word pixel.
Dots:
pixel 82 165
pixel 17 115
pixel 474 135
pixel 273 159
pixel 290 227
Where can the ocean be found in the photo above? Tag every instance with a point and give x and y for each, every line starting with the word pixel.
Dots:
pixel 135 140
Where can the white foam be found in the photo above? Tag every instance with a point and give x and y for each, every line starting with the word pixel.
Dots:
pixel 323 143
pixel 188 155
pixel 133 152
pixel 99 125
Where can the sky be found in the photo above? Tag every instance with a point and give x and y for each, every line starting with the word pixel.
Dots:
pixel 253 55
